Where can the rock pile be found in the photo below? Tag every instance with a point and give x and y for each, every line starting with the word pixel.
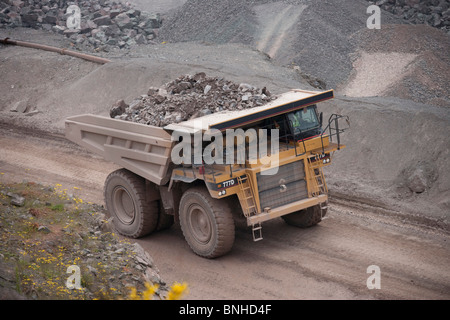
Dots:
pixel 435 13
pixel 103 23
pixel 139 267
pixel 189 97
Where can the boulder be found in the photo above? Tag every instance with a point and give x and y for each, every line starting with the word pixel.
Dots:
pixel 140 39
pixel 150 20
pixel 114 13
pixel 123 21
pixel 419 177
pixel 102 21
pixel 20 106
pixel 87 26
pixel 50 19
pixel 58 29
pixel 118 108
pixel 70 32
pixel 30 19
pixel 16 200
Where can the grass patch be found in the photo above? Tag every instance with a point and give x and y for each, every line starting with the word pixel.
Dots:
pixel 58 207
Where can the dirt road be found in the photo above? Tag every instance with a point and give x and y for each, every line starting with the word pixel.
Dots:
pixel 328 261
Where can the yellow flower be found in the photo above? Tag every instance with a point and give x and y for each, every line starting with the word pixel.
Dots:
pixel 150 291
pixel 133 294
pixel 177 290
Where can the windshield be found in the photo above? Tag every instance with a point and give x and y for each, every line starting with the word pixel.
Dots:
pixel 304 120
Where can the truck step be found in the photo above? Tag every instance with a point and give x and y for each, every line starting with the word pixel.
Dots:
pixel 257 232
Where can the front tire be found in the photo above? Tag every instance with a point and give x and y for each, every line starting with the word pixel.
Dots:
pixel 126 200
pixel 207 223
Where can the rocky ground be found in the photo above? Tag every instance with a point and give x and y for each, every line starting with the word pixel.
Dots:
pixel 45 230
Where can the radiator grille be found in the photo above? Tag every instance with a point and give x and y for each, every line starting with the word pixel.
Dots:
pixel 286 186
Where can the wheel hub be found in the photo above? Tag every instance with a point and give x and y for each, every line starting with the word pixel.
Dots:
pixel 124 205
pixel 200 224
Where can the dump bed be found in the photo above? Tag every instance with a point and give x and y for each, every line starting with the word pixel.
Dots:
pixel 142 149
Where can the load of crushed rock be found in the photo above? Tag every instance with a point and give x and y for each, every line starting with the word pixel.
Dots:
pixel 189 97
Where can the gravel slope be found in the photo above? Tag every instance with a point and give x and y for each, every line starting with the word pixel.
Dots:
pixel 328 40
pixel 315 35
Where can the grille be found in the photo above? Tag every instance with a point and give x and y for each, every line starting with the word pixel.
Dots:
pixel 271 192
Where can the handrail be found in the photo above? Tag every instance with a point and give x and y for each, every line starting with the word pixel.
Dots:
pixel 334 118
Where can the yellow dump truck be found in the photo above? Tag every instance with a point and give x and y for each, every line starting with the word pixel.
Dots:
pixel 204 172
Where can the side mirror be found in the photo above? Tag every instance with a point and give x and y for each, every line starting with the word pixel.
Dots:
pixel 320 119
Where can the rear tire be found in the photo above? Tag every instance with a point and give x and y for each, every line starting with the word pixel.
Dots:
pixel 207 223
pixel 305 218
pixel 127 202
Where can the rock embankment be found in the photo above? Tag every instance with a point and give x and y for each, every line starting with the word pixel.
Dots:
pixel 435 13
pixel 102 24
